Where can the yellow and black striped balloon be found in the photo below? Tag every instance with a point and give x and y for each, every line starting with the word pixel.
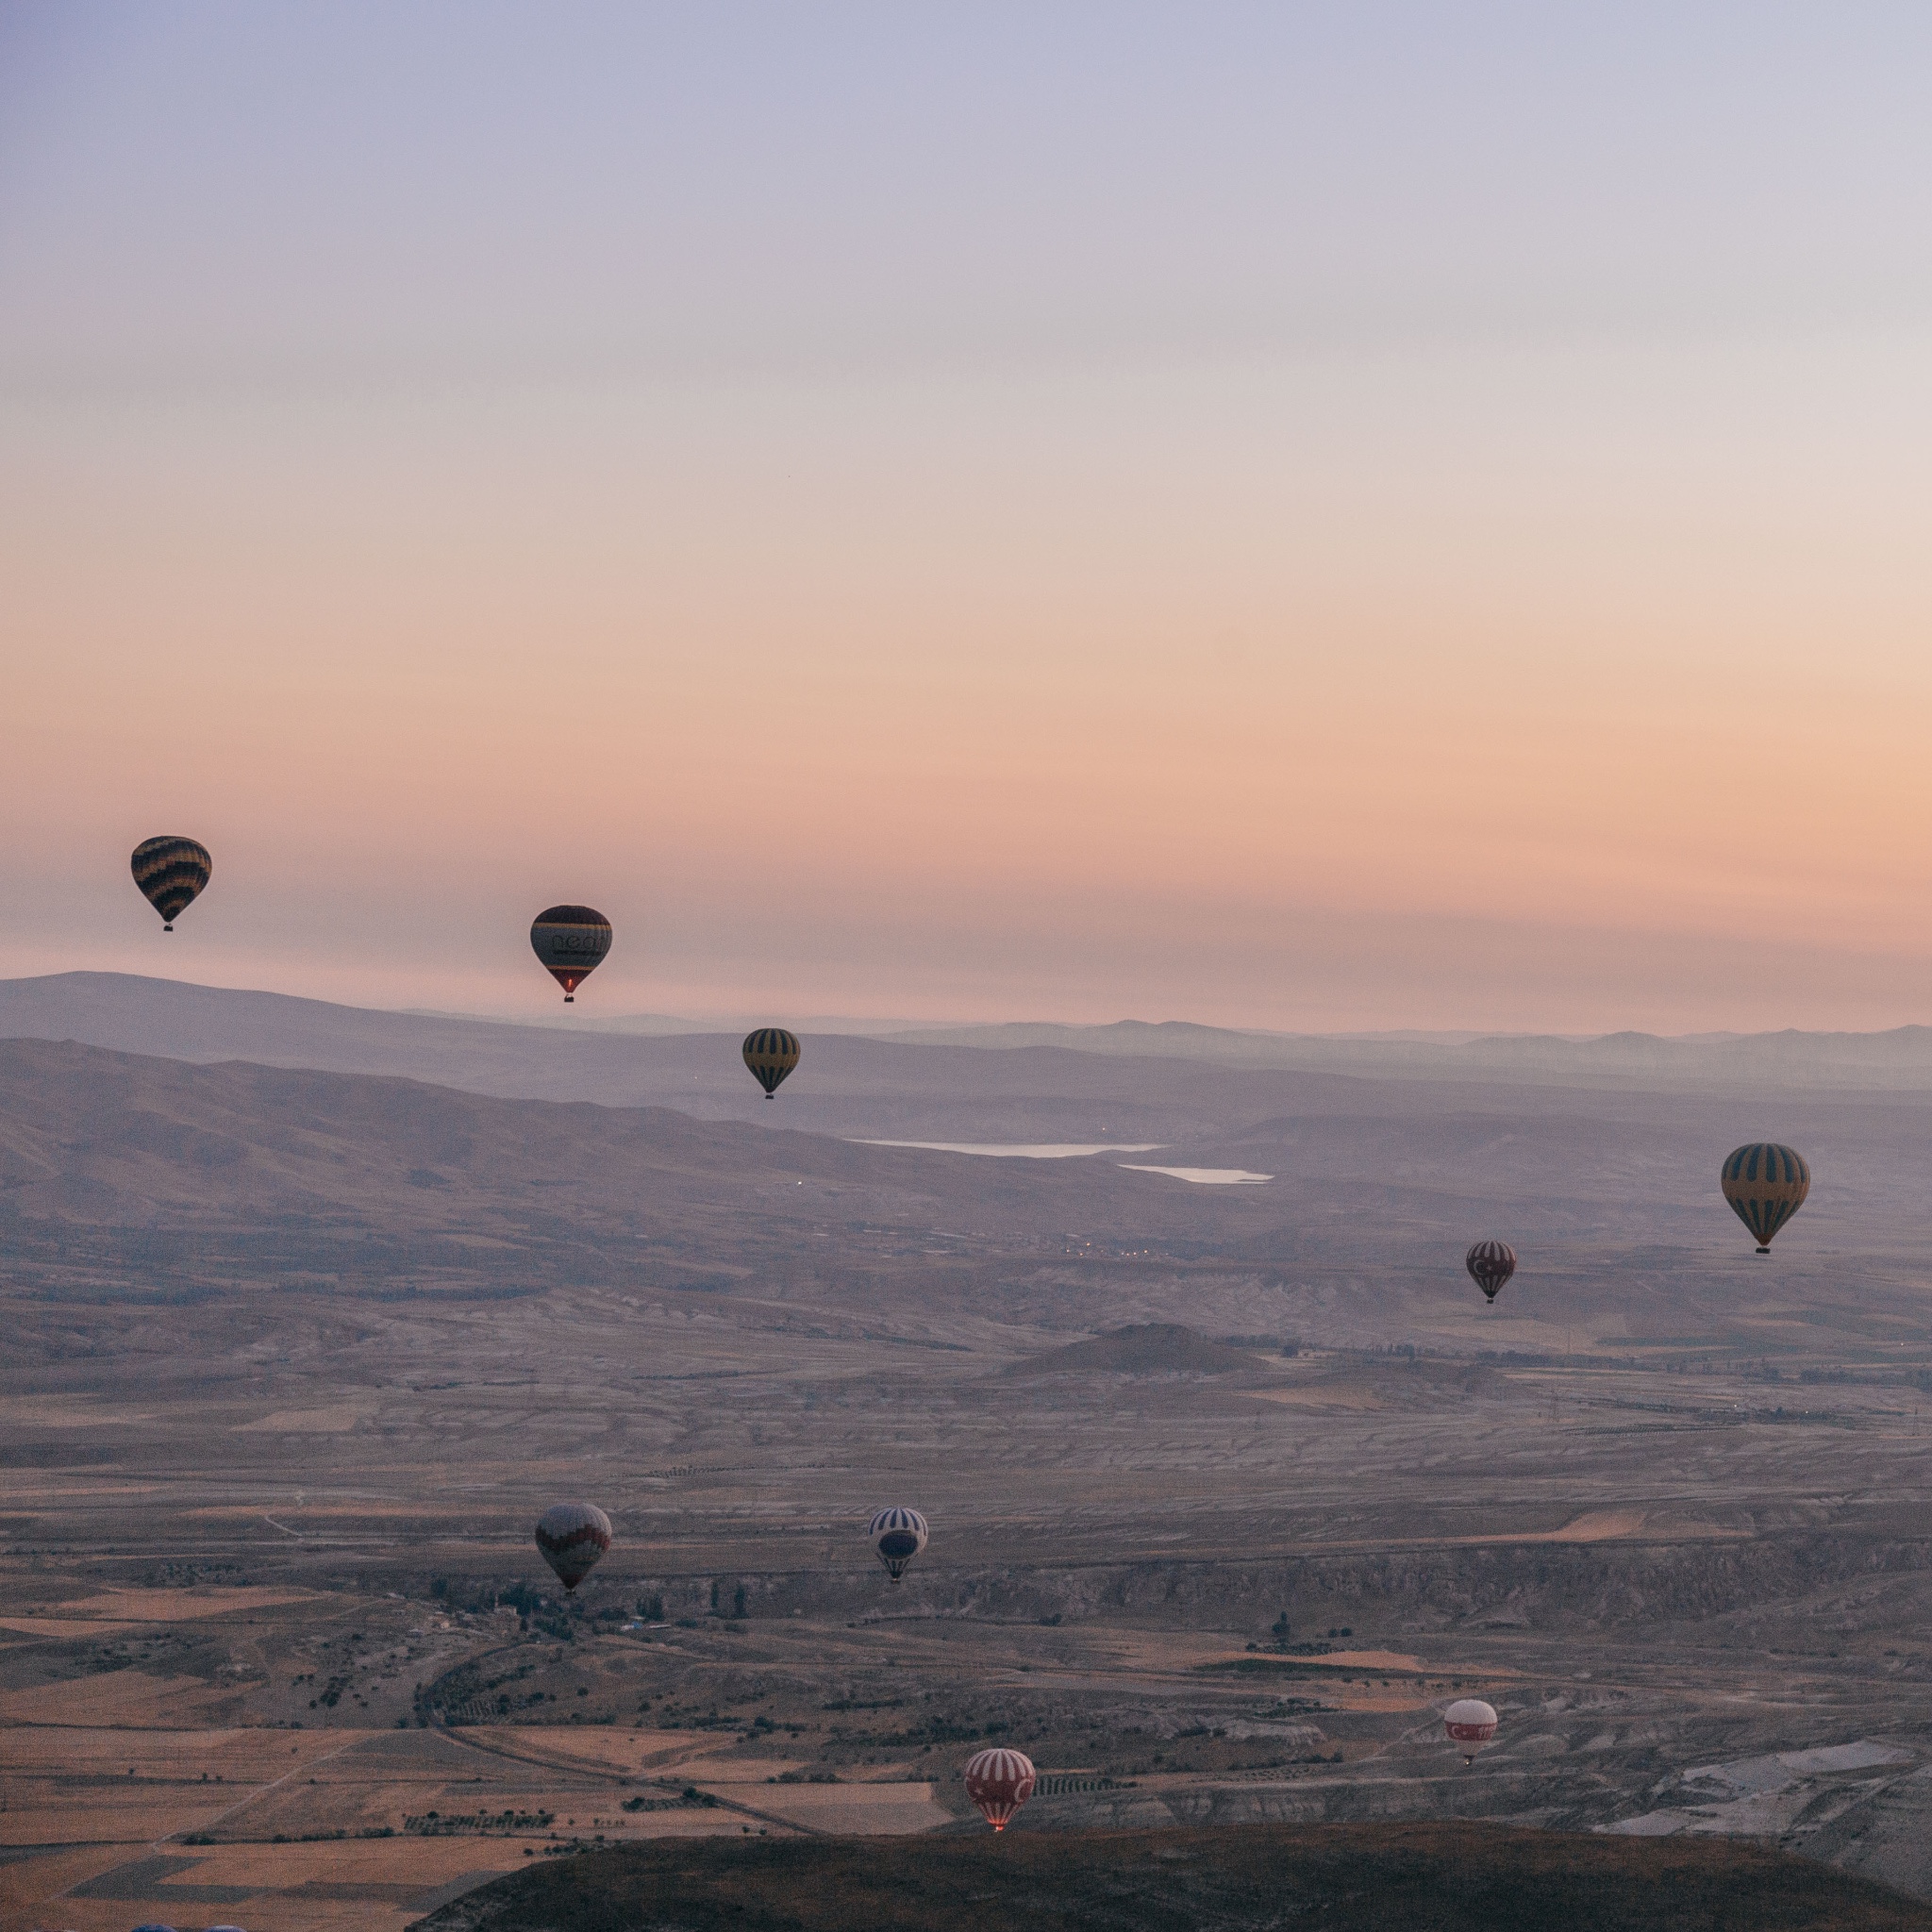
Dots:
pixel 570 940
pixel 171 870
pixel 771 1053
pixel 1766 1185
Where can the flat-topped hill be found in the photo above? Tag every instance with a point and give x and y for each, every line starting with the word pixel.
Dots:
pixel 1435 1877
pixel 1141 1348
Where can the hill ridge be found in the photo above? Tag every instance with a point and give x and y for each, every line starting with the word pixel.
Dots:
pixel 1446 1877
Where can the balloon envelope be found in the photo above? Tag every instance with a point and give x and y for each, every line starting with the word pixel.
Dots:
pixel 572 1537
pixel 898 1534
pixel 771 1053
pixel 1765 1183
pixel 170 871
pixel 570 940
pixel 999 1782
pixel 1471 1724
pixel 1490 1264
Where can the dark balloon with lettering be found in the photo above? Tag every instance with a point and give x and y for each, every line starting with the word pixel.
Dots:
pixel 571 941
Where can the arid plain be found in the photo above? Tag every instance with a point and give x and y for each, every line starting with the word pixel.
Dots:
pixel 1232 1484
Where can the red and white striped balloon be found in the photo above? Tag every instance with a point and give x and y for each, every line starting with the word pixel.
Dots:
pixel 999 1782
pixel 1490 1264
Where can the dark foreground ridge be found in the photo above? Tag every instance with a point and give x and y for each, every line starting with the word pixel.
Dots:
pixel 1434 1877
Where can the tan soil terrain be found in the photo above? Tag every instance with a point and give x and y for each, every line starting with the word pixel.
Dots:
pixel 295 1359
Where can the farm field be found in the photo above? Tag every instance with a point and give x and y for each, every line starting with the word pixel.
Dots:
pixel 358 1715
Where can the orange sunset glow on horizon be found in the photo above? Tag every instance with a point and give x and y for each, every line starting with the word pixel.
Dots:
pixel 1317 523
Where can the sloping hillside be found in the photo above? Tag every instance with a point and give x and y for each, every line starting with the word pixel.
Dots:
pixel 123 1174
pixel 281 1170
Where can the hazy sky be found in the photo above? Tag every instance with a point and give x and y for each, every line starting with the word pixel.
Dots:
pixel 1307 516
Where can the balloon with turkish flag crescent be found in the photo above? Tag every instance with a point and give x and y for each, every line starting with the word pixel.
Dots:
pixel 999 1782
pixel 1470 1723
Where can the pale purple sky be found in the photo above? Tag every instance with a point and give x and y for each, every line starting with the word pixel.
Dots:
pixel 1319 517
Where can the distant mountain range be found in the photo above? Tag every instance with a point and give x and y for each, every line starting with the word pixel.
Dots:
pixel 848 1084
pixel 652 1058
pixel 1897 1060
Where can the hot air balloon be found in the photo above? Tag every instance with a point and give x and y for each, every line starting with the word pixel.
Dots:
pixel 570 940
pixel 771 1053
pixel 170 871
pixel 1766 1185
pixel 999 1782
pixel 572 1537
pixel 898 1536
pixel 1490 1264
pixel 1471 1724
